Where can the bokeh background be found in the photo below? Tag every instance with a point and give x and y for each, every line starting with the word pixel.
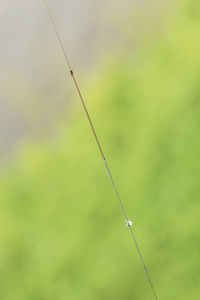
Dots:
pixel 62 233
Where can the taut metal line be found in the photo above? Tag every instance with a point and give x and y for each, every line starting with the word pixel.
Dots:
pixel 129 223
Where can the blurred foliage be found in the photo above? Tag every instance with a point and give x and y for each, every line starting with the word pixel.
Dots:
pixel 62 233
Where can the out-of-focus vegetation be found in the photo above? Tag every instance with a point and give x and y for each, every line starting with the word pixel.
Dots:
pixel 62 233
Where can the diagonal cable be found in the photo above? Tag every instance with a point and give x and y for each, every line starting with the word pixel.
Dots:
pixel 129 223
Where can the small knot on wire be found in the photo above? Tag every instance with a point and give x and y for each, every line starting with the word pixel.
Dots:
pixel 72 71
pixel 129 223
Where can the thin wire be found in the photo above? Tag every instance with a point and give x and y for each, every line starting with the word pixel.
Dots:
pixel 98 144
pixel 113 183
pixel 137 247
pixel 131 231
pixel 58 36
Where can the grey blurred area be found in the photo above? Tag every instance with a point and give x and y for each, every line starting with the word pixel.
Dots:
pixel 35 92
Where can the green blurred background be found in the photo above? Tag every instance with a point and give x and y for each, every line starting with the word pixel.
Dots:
pixel 62 233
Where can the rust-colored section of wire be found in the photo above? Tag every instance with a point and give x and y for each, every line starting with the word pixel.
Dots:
pixel 74 78
pixel 87 114
pixel 128 222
